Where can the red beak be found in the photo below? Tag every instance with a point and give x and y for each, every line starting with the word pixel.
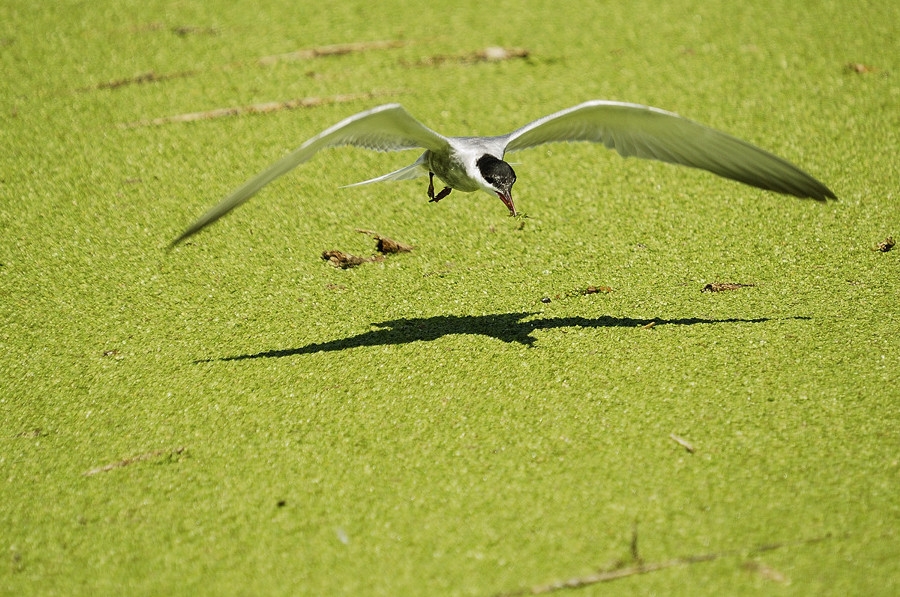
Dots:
pixel 506 198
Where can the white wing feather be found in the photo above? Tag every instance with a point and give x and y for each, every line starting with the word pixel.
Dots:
pixel 651 133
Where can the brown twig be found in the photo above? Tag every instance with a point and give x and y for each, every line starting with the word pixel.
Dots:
pixel 303 102
pixel 185 30
pixel 141 79
pixel 682 442
pixel 134 459
pixel 489 54
pixel 332 50
pixel 635 553
pixel 644 568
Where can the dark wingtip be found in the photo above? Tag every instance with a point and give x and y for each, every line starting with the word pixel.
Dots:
pixel 181 237
pixel 824 194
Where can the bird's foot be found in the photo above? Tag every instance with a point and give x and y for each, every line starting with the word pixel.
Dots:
pixel 439 196
pixel 432 198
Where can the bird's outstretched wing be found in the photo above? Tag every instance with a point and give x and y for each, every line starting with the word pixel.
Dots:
pixel 385 128
pixel 645 132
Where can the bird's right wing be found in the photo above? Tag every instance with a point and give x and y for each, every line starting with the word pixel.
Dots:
pixel 384 128
pixel 651 133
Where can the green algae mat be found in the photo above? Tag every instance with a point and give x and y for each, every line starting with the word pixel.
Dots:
pixel 655 381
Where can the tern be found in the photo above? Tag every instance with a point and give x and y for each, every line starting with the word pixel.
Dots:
pixel 470 164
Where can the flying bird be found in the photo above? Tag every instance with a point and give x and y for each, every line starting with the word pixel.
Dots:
pixel 470 164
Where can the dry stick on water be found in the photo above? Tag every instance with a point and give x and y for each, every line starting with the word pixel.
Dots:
pixel 332 50
pixel 682 442
pixel 148 77
pixel 303 102
pixel 642 568
pixel 635 554
pixel 489 54
pixel 125 462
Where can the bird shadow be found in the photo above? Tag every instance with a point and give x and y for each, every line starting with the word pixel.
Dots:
pixel 512 328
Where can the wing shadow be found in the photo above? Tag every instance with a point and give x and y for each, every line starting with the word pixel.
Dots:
pixel 507 327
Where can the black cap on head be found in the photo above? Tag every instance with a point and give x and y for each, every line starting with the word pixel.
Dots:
pixel 496 172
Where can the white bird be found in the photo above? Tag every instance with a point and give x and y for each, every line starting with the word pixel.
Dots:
pixel 471 163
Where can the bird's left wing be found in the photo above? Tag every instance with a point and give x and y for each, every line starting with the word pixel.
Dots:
pixel 384 128
pixel 645 132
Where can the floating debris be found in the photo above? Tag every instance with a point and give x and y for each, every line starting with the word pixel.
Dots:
pixel 682 442
pixel 860 68
pixel 724 286
pixel 346 261
pixel 141 79
pixel 489 54
pixel 185 30
pixel 619 571
pixel 303 102
pixel 331 50
pixel 385 245
pixel 885 245
pixel 596 290
pixel 134 459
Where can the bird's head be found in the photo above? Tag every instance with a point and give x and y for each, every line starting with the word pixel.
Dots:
pixel 499 178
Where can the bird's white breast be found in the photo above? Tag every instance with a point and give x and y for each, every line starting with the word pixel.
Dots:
pixel 456 167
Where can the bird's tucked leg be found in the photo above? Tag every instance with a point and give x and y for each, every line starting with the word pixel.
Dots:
pixel 432 198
